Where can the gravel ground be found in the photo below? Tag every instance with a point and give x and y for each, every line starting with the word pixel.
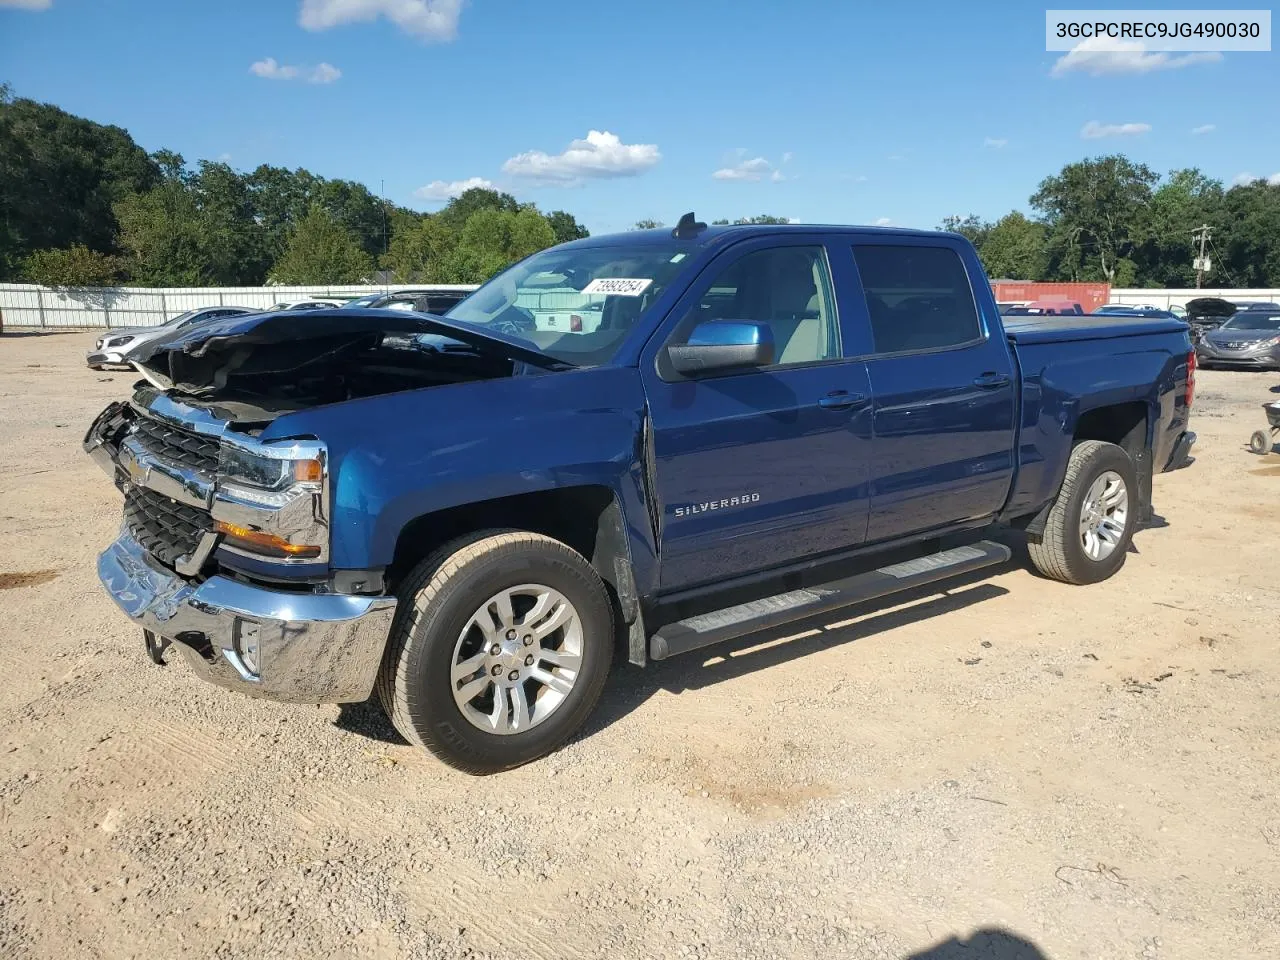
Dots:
pixel 1010 769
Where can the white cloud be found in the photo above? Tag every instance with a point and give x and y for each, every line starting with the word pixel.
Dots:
pixel 753 170
pixel 1206 128
pixel 896 156
pixel 1093 130
pixel 602 155
pixel 426 19
pixel 884 221
pixel 1244 179
pixel 270 70
pixel 323 73
pixel 1099 56
pixel 33 5
pixel 444 190
pixel 995 142
pixel 786 157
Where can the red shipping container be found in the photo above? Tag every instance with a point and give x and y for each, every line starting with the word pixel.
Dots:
pixel 1090 296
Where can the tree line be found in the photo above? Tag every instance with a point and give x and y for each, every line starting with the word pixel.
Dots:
pixel 1108 218
pixel 81 204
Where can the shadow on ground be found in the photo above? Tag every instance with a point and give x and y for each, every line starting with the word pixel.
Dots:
pixel 990 944
pixel 628 688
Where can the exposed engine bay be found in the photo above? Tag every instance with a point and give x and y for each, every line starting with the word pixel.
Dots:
pixel 279 366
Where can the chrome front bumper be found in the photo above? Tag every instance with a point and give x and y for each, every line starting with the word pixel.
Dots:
pixel 278 645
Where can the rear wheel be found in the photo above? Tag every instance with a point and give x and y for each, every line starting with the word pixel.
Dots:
pixel 1091 523
pixel 499 652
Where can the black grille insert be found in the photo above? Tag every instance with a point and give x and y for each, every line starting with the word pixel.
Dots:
pixel 165 528
pixel 175 445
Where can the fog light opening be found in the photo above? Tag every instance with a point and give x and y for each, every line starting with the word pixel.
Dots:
pixel 248 647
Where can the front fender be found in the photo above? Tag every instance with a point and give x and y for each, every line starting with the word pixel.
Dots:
pixel 397 457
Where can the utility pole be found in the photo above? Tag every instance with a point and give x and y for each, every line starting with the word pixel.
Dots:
pixel 1203 236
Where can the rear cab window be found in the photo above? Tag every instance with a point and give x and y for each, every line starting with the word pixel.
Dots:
pixel 918 297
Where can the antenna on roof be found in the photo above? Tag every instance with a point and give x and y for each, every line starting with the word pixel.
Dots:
pixel 688 227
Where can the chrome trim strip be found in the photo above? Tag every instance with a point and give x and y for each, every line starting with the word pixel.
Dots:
pixel 144 469
pixel 191 564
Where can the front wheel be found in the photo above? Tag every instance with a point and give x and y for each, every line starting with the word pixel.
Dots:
pixel 500 650
pixel 1091 523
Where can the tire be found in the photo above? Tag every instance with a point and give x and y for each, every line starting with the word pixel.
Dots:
pixel 437 625
pixel 1260 442
pixel 1062 553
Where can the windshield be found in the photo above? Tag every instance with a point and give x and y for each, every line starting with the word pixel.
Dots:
pixel 575 304
pixel 182 318
pixel 1253 321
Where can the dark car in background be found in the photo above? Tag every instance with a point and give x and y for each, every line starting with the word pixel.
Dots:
pixel 1153 313
pixel 1248 340
pixel 114 346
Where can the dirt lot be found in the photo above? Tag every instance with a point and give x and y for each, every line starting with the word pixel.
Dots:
pixel 1035 769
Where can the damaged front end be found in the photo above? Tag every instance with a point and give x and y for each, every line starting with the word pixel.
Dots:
pixel 224 550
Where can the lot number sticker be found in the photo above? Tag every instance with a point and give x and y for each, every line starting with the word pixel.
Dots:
pixel 618 286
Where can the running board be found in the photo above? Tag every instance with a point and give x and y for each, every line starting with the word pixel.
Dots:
pixel 732 622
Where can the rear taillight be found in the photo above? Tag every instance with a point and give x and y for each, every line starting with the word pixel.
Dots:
pixel 1191 377
pixel 575 323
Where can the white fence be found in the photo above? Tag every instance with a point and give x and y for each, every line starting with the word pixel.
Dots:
pixel 1172 297
pixel 30 305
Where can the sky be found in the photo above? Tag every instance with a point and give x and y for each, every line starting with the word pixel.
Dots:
pixel 616 110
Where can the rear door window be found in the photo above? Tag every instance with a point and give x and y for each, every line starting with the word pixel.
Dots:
pixel 918 297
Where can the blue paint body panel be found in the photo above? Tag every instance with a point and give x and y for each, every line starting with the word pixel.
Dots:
pixel 725 476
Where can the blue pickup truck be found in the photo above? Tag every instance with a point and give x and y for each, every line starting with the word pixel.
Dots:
pixel 471 518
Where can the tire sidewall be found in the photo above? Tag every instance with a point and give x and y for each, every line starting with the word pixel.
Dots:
pixel 428 660
pixel 1103 458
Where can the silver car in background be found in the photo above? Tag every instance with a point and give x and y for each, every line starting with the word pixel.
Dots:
pixel 1248 340
pixel 114 346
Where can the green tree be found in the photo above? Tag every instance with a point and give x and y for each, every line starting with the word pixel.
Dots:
pixel 420 250
pixel 565 227
pixel 1163 253
pixel 164 238
pixel 972 227
pixel 1247 243
pixel 1092 209
pixel 647 224
pixel 491 241
pixel 1014 248
pixel 75 266
pixel 459 210
pixel 763 218
pixel 59 178
pixel 322 251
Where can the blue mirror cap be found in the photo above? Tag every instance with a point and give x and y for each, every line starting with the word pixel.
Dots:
pixel 730 333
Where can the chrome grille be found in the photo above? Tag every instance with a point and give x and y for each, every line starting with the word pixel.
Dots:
pixel 175 445
pixel 166 529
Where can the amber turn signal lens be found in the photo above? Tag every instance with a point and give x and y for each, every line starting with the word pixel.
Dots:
pixel 266 543
pixel 307 471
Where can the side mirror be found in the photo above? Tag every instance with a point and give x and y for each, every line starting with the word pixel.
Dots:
pixel 723 345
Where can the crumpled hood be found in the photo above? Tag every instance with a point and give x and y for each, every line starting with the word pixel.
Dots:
pixel 231 341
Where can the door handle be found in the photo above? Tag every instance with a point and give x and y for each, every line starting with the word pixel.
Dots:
pixel 840 400
pixel 989 381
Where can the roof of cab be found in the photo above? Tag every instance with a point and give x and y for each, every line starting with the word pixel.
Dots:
pixel 738 231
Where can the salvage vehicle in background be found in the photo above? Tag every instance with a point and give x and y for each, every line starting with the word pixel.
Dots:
pixel 309 303
pixel 769 423
pixel 1249 340
pixel 114 347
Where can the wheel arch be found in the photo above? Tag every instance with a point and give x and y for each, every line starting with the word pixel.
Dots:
pixel 589 518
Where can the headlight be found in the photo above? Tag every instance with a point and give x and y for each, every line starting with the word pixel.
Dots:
pixel 119 341
pixel 1266 344
pixel 267 473
pixel 271 499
